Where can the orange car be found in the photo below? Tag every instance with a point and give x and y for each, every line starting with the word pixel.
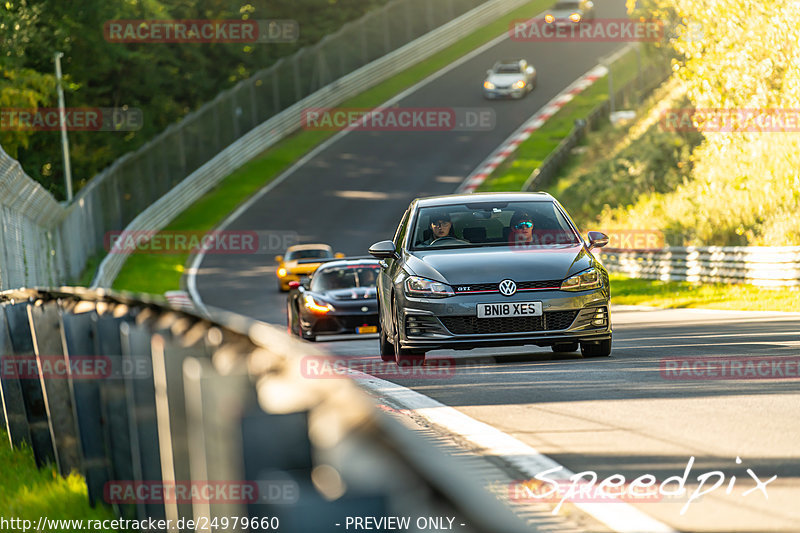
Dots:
pixel 301 260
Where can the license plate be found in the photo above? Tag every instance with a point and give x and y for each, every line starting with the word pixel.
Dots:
pixel 510 309
pixel 367 329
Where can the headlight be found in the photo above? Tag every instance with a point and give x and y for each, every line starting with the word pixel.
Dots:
pixel 488 85
pixel 427 288
pixel 316 306
pixel 519 84
pixel 549 18
pixel 575 17
pixel 588 279
pixel 281 272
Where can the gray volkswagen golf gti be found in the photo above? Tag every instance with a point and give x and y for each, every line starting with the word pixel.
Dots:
pixel 490 269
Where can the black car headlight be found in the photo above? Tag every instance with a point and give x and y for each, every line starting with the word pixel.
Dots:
pixel 427 288
pixel 316 306
pixel 588 279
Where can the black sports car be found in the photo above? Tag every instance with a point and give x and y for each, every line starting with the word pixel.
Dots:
pixel 340 298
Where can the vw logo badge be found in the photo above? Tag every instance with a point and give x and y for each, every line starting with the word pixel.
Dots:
pixel 508 287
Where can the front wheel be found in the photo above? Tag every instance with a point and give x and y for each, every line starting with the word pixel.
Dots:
pixel 386 347
pixel 292 324
pixel 601 349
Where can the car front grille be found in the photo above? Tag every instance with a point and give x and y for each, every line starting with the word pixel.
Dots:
pixel 472 325
pixel 521 285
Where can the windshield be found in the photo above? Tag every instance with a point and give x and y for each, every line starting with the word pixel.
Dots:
pixel 492 224
pixel 308 254
pixel 345 277
pixel 567 5
pixel 508 69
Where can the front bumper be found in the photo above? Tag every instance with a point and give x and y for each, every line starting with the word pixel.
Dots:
pixel 452 323
pixel 503 93
pixel 340 322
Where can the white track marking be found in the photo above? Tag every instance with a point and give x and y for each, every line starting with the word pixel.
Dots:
pixel 619 516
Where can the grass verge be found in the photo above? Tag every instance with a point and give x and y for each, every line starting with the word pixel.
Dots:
pixel 681 294
pixel 158 273
pixel 512 174
pixel 28 493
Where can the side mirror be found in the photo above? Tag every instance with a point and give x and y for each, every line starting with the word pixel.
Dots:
pixel 597 239
pixel 530 70
pixel 338 255
pixel 383 250
pixel 278 258
pixel 294 284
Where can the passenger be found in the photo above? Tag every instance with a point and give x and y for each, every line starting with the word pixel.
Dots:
pixel 521 229
pixel 441 227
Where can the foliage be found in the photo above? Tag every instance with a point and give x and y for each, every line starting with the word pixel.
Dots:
pixel 165 80
pixel 744 188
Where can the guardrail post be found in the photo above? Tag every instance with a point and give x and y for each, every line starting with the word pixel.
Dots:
pixel 13 406
pixel 168 357
pixel 79 341
pixel 141 403
pixel 19 330
pixel 113 399
pixel 212 404
pixel 45 323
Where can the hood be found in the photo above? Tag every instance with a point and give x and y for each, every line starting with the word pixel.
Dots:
pixel 354 293
pixel 505 79
pixel 492 264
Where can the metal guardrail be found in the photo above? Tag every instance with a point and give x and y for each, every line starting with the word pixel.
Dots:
pixel 756 265
pixel 160 213
pixel 632 92
pixel 155 397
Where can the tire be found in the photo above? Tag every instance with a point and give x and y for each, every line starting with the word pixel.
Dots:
pixel 403 356
pixel 565 348
pixel 293 323
pixel 386 348
pixel 602 349
pixel 280 287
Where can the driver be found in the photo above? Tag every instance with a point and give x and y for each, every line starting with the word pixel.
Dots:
pixel 441 226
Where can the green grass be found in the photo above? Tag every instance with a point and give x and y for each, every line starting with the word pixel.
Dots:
pixel 28 493
pixel 512 174
pixel 681 294
pixel 154 273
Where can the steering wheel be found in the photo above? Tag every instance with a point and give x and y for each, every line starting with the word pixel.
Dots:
pixel 446 237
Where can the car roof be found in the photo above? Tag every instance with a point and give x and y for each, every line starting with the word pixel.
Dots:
pixel 455 199
pixel 308 247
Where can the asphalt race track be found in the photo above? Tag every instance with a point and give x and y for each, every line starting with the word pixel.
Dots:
pixel 617 415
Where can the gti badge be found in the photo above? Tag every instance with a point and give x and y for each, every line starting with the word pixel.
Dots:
pixel 508 287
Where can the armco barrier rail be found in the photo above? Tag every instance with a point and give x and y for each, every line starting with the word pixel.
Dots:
pixel 756 265
pixel 282 124
pixel 215 415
